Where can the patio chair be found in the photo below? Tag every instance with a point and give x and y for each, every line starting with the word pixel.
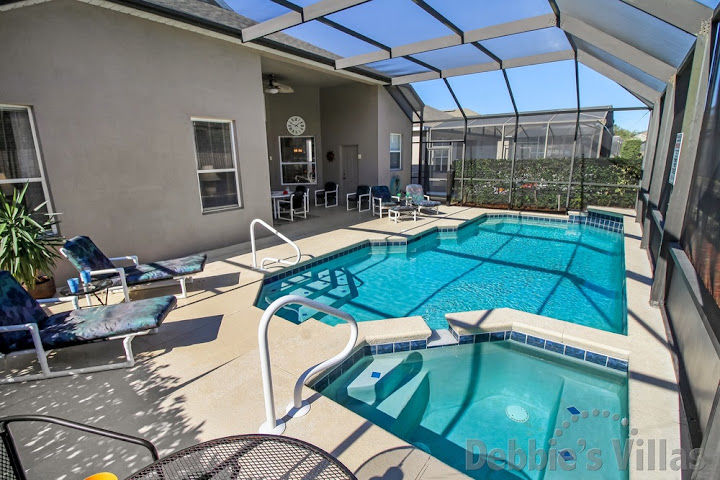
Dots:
pixel 362 192
pixel 329 195
pixel 25 326
pixel 295 206
pixel 85 255
pixel 11 467
pixel 415 192
pixel 237 456
pixel 381 199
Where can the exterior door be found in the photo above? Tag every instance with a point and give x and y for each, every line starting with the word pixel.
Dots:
pixel 349 158
pixel 439 163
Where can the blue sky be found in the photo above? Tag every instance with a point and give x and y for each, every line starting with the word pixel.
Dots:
pixel 537 87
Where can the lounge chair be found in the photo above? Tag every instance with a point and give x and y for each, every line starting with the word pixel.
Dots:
pixel 329 195
pixel 381 199
pixel 415 192
pixel 25 326
pixel 361 193
pixel 295 206
pixel 85 255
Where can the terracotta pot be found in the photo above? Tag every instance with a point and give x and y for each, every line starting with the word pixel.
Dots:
pixel 44 288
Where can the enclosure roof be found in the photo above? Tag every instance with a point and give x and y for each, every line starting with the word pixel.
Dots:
pixel 637 44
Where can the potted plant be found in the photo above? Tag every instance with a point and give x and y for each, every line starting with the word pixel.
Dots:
pixel 28 247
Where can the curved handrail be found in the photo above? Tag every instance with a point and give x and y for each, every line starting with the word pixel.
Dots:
pixel 298 407
pixel 283 237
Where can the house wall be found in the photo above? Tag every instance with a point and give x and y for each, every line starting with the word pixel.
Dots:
pixel 112 96
pixel 305 102
pixel 391 119
pixel 349 117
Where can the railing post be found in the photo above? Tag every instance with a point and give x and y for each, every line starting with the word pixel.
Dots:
pixel 275 232
pixel 297 407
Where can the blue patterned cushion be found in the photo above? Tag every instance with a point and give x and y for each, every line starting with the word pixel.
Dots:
pixel 417 196
pixel 17 307
pixel 97 323
pixel 85 255
pixel 164 270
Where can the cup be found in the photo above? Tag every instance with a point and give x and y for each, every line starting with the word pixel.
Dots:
pixel 85 276
pixel 74 285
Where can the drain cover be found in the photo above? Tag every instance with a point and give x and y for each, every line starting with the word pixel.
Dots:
pixel 516 413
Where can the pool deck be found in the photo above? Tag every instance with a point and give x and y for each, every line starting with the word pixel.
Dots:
pixel 198 377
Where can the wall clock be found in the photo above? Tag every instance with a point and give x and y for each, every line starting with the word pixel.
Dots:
pixel 296 125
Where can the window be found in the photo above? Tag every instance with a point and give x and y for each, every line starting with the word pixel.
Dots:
pixel 20 158
pixel 395 151
pixel 216 164
pixel 297 160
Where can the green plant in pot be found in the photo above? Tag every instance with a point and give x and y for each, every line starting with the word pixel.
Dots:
pixel 28 248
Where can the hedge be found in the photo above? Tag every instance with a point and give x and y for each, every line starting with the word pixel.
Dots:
pixel 538 182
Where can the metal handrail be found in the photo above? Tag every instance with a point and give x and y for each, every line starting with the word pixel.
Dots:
pixel 298 407
pixel 282 237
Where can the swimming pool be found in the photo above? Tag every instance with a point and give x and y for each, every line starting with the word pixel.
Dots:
pixel 492 410
pixel 567 271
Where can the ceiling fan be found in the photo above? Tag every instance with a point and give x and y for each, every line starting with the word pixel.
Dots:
pixel 272 87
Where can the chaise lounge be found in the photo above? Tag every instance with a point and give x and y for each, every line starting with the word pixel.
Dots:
pixel 25 326
pixel 85 255
pixel 419 199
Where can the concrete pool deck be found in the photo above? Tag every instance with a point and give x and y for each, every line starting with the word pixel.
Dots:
pixel 198 378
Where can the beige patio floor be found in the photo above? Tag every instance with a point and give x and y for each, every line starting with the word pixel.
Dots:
pixel 198 377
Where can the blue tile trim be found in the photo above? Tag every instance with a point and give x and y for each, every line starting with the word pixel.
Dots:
pixel 574 352
pixel 504 335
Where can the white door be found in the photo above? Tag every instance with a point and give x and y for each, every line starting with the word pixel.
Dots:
pixel 439 163
pixel 349 159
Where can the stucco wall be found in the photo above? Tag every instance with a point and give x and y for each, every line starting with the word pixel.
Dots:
pixel 112 97
pixel 391 119
pixel 350 117
pixel 305 102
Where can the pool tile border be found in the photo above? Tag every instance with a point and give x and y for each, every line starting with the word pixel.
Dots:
pixel 589 356
pixel 605 222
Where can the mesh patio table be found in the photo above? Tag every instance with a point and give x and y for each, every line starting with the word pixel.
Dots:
pixel 247 457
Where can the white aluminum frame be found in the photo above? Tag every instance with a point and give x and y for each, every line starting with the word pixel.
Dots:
pixel 235 170
pixel 323 193
pixel 393 151
pixel 41 167
pixel 314 159
pixel 42 354
pixel 358 200
pixel 293 211
pixel 182 279
pixel 395 214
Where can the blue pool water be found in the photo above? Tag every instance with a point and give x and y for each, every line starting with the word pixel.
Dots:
pixel 566 271
pixel 490 394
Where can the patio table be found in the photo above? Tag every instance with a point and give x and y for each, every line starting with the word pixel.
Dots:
pixel 247 457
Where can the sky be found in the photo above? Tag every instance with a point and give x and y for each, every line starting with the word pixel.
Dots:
pixel 536 87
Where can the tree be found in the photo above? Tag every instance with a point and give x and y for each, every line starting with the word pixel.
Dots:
pixel 624 133
pixel 631 148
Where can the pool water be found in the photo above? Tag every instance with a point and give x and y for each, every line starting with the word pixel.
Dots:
pixel 569 272
pixel 496 403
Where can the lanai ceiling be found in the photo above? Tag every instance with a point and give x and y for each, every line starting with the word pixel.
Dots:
pixel 499 47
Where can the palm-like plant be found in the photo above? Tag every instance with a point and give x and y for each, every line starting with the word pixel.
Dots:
pixel 26 246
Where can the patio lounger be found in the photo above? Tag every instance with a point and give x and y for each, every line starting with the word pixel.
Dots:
pixel 381 199
pixel 297 205
pixel 25 326
pixel 85 255
pixel 329 195
pixel 362 193
pixel 420 200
